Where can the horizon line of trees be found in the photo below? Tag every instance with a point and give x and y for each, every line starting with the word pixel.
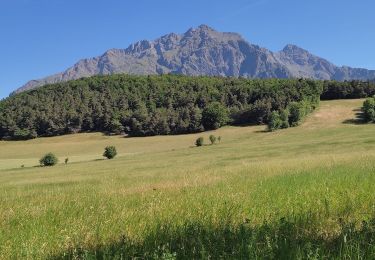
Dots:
pixel 347 89
pixel 162 105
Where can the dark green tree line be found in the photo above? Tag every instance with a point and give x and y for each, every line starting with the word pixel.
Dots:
pixel 149 105
pixel 347 89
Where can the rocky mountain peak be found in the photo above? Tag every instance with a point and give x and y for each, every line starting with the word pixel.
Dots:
pixel 200 29
pixel 294 49
pixel 139 46
pixel 205 51
pixel 204 32
pixel 205 28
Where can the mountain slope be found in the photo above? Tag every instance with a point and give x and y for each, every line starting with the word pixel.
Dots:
pixel 204 51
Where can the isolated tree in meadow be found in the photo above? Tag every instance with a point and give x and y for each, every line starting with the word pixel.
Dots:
pixel 199 141
pixel 369 110
pixel 212 139
pixel 49 160
pixel 110 152
pixel 214 116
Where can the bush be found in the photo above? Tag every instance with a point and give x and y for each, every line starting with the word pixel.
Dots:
pixel 369 110
pixel 214 116
pixel 110 152
pixel 274 122
pixel 199 141
pixel 293 114
pixel 212 139
pixel 297 113
pixel 49 160
pixel 284 117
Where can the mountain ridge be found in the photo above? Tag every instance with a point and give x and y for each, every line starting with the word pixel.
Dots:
pixel 205 51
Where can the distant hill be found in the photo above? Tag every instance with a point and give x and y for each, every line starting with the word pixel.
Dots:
pixel 204 51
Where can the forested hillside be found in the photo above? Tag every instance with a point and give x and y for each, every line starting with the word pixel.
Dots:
pixel 168 104
pixel 149 105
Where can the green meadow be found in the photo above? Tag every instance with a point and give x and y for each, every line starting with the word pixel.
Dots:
pixel 301 193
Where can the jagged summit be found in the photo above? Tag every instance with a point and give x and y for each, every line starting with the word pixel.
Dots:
pixel 205 27
pixel 205 51
pixel 291 48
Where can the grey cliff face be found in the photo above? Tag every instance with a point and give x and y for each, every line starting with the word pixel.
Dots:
pixel 204 51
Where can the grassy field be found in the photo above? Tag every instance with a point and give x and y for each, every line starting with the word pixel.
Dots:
pixel 305 192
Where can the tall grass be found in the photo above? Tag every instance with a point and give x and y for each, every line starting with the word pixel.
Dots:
pixel 303 193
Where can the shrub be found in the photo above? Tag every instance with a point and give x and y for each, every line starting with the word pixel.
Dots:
pixel 284 117
pixel 274 122
pixel 369 110
pixel 214 116
pixel 110 152
pixel 212 139
pixel 369 115
pixel 49 160
pixel 199 141
pixel 296 113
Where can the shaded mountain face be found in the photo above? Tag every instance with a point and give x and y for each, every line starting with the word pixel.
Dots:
pixel 204 51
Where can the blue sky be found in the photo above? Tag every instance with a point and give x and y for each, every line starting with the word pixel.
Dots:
pixel 42 37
